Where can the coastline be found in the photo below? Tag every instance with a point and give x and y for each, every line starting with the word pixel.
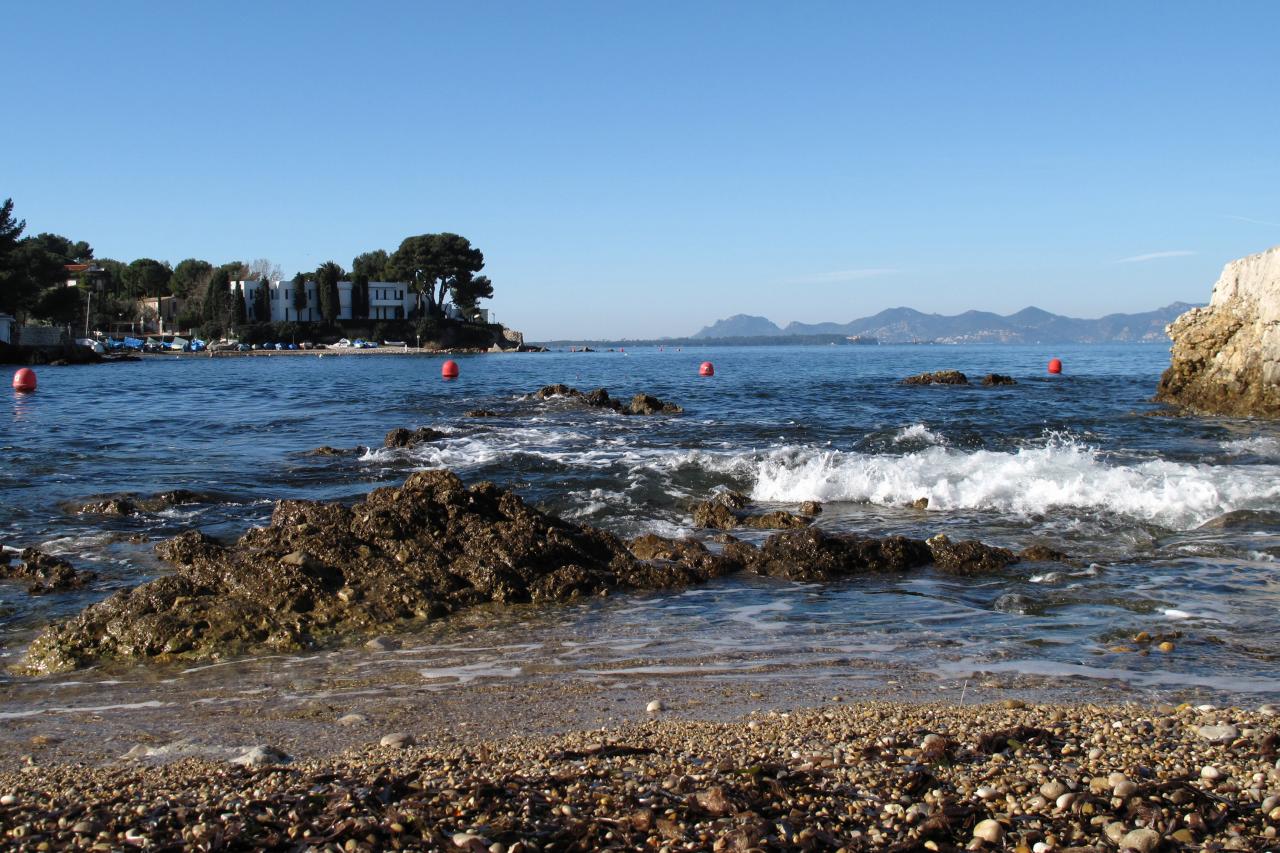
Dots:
pixel 426 351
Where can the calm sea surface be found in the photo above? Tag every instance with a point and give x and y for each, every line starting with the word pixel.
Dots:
pixel 1076 462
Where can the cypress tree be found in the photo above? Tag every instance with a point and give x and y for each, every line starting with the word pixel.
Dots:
pixel 299 294
pixel 262 302
pixel 359 296
pixel 239 316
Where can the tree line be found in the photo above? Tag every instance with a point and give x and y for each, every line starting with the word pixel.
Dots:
pixel 439 268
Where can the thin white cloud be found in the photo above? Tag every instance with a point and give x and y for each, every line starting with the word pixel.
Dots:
pixel 1155 256
pixel 1251 221
pixel 838 276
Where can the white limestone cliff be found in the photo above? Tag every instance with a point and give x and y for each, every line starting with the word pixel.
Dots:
pixel 1226 356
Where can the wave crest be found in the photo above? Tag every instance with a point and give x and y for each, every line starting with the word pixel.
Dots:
pixel 1030 481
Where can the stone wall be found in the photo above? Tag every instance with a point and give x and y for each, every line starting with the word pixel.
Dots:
pixel 1226 356
pixel 41 336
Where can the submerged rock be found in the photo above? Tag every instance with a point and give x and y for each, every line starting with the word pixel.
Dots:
pixel 998 379
pixel 941 377
pixel 969 557
pixel 728 510
pixel 1226 356
pixel 400 437
pixel 1257 519
pixel 641 404
pixel 132 504
pixel 813 555
pixel 43 572
pixel 326 450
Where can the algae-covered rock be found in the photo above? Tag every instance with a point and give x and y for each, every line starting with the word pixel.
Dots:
pixel 641 404
pixel 321 570
pixel 940 377
pixel 324 571
pixel 729 510
pixel 814 555
pixel 132 504
pixel 401 437
pixel 43 573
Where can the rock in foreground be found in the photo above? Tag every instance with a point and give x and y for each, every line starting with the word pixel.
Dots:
pixel 1226 356
pixel 323 571
pixel 319 570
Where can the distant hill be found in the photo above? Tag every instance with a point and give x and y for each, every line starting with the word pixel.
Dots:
pixel 1028 326
pixel 740 326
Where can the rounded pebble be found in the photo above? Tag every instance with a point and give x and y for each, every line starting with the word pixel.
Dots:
pixel 989 831
pixel 657 706
pixel 1142 840
pixel 398 740
pixel 1210 773
pixel 1052 790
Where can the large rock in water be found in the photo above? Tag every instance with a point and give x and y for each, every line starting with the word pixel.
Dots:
pixel 324 570
pixel 1226 356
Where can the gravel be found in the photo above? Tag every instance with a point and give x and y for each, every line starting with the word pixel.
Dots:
pixel 853 776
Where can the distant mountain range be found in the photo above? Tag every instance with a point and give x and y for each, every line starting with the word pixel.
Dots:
pixel 906 325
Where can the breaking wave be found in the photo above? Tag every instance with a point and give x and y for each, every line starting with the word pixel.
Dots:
pixel 1062 473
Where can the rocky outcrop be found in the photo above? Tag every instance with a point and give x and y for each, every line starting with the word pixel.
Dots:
pixel 992 379
pixel 1226 356
pixel 727 510
pixel 641 404
pixel 404 438
pixel 132 504
pixel 940 377
pixel 320 572
pixel 43 572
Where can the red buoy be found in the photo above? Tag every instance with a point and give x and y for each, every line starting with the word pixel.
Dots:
pixel 1055 365
pixel 707 369
pixel 24 380
pixel 449 370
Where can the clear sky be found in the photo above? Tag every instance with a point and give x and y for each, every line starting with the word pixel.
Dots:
pixel 642 169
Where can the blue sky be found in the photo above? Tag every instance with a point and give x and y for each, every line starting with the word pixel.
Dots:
pixel 641 169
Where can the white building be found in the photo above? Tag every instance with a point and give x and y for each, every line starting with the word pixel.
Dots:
pixel 388 300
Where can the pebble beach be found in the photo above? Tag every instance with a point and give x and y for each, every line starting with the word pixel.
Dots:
pixel 846 775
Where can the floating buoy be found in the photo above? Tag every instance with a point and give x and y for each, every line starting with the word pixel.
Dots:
pixel 24 380
pixel 449 370
pixel 1055 365
pixel 707 369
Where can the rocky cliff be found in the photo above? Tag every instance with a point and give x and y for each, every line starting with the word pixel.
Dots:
pixel 1226 356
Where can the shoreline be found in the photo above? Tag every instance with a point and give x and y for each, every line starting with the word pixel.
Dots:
pixel 866 775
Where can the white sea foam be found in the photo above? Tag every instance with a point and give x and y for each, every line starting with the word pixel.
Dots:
pixel 918 434
pixel 1258 445
pixel 1061 473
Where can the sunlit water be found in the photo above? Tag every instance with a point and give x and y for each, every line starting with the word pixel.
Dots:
pixel 1076 462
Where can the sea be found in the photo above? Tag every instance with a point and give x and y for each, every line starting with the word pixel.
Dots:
pixel 1172 522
